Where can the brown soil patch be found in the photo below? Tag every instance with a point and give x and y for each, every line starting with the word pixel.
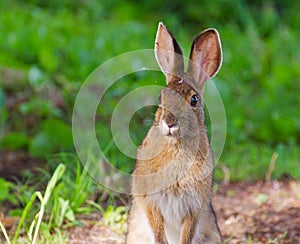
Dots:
pixel 261 212
pixel 93 234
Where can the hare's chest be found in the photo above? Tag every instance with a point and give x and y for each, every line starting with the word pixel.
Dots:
pixel 175 207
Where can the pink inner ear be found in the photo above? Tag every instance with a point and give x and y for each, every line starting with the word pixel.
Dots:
pixel 206 56
pixel 168 53
pixel 164 48
pixel 209 56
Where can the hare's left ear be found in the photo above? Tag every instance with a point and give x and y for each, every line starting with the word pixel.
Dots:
pixel 205 58
pixel 168 54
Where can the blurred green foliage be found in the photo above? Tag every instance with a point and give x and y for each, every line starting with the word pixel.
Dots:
pixel 5 191
pixel 48 49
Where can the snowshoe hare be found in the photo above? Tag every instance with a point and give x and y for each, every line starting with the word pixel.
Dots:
pixel 172 180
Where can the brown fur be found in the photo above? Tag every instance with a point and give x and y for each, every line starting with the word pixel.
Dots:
pixel 172 180
pixel 156 221
pixel 188 229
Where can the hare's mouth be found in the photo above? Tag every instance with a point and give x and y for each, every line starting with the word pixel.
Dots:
pixel 169 130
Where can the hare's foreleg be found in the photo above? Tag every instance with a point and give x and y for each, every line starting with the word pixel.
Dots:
pixel 200 228
pixel 156 222
pixel 188 230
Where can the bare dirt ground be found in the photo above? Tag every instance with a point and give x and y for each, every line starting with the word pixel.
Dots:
pixel 247 213
pixel 261 212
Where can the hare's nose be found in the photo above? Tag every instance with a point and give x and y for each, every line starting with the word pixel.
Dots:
pixel 171 121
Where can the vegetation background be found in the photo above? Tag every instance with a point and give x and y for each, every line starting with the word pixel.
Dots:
pixel 48 49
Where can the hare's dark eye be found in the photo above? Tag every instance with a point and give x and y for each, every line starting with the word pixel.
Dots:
pixel 194 100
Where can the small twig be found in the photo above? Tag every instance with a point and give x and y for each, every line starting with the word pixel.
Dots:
pixel 271 167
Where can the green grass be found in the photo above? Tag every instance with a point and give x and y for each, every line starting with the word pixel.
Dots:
pixel 65 196
pixel 65 42
pixel 251 162
pixel 33 230
pixel 49 213
pixel 56 46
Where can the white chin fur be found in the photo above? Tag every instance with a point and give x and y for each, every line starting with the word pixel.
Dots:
pixel 165 130
pixel 173 130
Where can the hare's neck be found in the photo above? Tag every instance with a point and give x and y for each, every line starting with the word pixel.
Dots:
pixel 158 151
pixel 197 144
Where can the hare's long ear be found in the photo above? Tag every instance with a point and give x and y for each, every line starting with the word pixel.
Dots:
pixel 205 58
pixel 168 54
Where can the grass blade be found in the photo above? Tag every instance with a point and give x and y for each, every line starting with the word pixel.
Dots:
pixel 4 232
pixel 44 200
pixel 24 214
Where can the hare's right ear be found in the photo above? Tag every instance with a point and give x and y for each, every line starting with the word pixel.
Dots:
pixel 168 54
pixel 205 58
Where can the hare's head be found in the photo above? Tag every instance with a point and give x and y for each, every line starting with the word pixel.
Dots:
pixel 180 113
